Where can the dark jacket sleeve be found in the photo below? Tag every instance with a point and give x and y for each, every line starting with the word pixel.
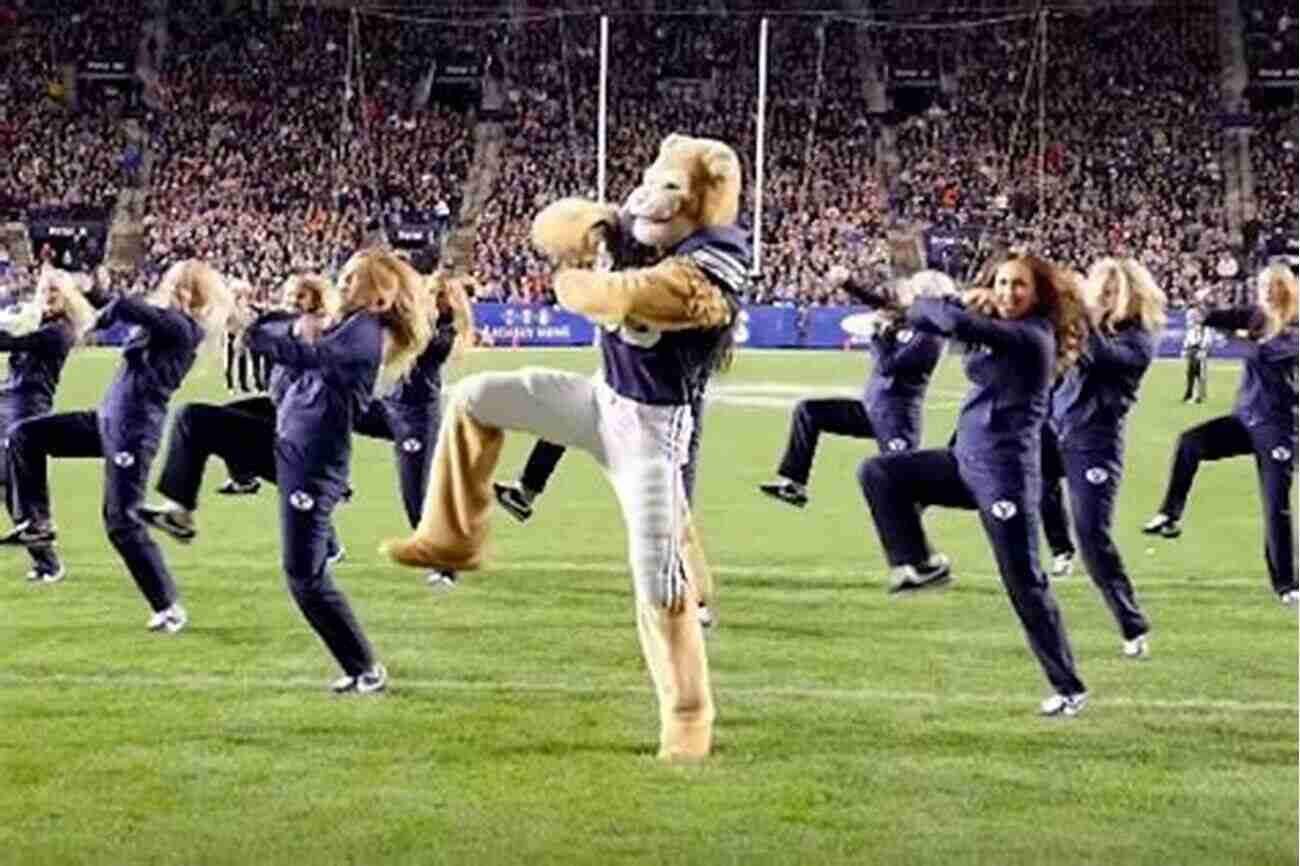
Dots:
pixel 1285 347
pixel 98 298
pixel 1132 351
pixel 333 354
pixel 916 356
pixel 440 344
pixel 164 324
pixel 50 340
pixel 949 318
pixel 1231 318
pixel 864 295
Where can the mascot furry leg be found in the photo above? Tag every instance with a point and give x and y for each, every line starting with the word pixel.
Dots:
pixel 640 448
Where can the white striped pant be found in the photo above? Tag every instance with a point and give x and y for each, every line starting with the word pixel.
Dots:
pixel 642 449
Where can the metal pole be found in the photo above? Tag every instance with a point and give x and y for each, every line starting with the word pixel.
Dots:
pixel 1042 131
pixel 601 118
pixel 757 266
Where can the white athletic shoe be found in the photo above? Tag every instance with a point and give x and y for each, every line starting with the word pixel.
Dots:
pixel 171 619
pixel 365 683
pixel 1289 598
pixel 705 615
pixel 1063 705
pixel 36 575
pixel 1062 565
pixel 1137 648
pixel 934 572
pixel 441 581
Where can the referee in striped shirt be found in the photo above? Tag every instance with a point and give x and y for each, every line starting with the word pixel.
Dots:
pixel 1196 348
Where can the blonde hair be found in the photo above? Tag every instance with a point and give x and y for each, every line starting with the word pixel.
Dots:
pixel 326 297
pixel 385 285
pixel 1282 313
pixel 76 309
pixel 445 287
pixel 1136 295
pixel 210 301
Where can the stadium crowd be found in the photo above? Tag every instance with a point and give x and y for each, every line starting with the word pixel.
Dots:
pixel 259 164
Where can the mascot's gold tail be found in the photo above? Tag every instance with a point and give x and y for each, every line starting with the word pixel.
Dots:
pixel 453 522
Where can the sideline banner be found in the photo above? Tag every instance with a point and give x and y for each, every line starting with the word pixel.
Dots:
pixel 760 327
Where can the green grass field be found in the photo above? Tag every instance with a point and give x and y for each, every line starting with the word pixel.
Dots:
pixel 520 727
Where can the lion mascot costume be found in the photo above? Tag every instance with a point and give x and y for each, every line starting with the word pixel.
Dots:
pixel 664 328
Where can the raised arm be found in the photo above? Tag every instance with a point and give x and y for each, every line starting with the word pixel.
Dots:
pixel 350 344
pixel 946 316
pixel 919 354
pixel 443 339
pixel 162 323
pixel 1230 319
pixel 675 294
pixel 1130 351
pixel 48 340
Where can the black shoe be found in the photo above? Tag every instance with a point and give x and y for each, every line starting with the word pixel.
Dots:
pixel 28 534
pixel 239 488
pixel 933 573
pixel 162 519
pixel 786 491
pixel 512 498
pixel 1164 526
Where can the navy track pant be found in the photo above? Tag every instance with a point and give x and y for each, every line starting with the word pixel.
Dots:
pixel 1093 478
pixel 306 535
pixel 898 486
pixel 1274 449
pixel 126 472
pixel 413 430
pixel 1056 526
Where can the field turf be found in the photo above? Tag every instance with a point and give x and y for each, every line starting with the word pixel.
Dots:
pixel 853 728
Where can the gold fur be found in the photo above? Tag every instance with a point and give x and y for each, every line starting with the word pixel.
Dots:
pixel 563 231
pixel 672 295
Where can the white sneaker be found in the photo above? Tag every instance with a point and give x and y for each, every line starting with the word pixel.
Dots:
pixel 1062 565
pixel 1063 705
pixel 441 581
pixel 36 575
pixel 1137 648
pixel 171 619
pixel 365 683
pixel 1288 598
pixel 705 615
pixel 936 571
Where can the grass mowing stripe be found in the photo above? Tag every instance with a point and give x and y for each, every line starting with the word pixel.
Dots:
pixel 1077 581
pixel 868 696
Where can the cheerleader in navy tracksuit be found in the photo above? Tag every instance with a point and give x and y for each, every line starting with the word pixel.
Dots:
pixel 1262 423
pixel 242 433
pixel 409 416
pixel 37 352
pixel 1089 408
pixel 191 308
pixel 1017 333
pixel 384 327
pixel 902 361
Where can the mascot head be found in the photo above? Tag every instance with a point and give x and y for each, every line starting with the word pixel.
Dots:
pixel 693 184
